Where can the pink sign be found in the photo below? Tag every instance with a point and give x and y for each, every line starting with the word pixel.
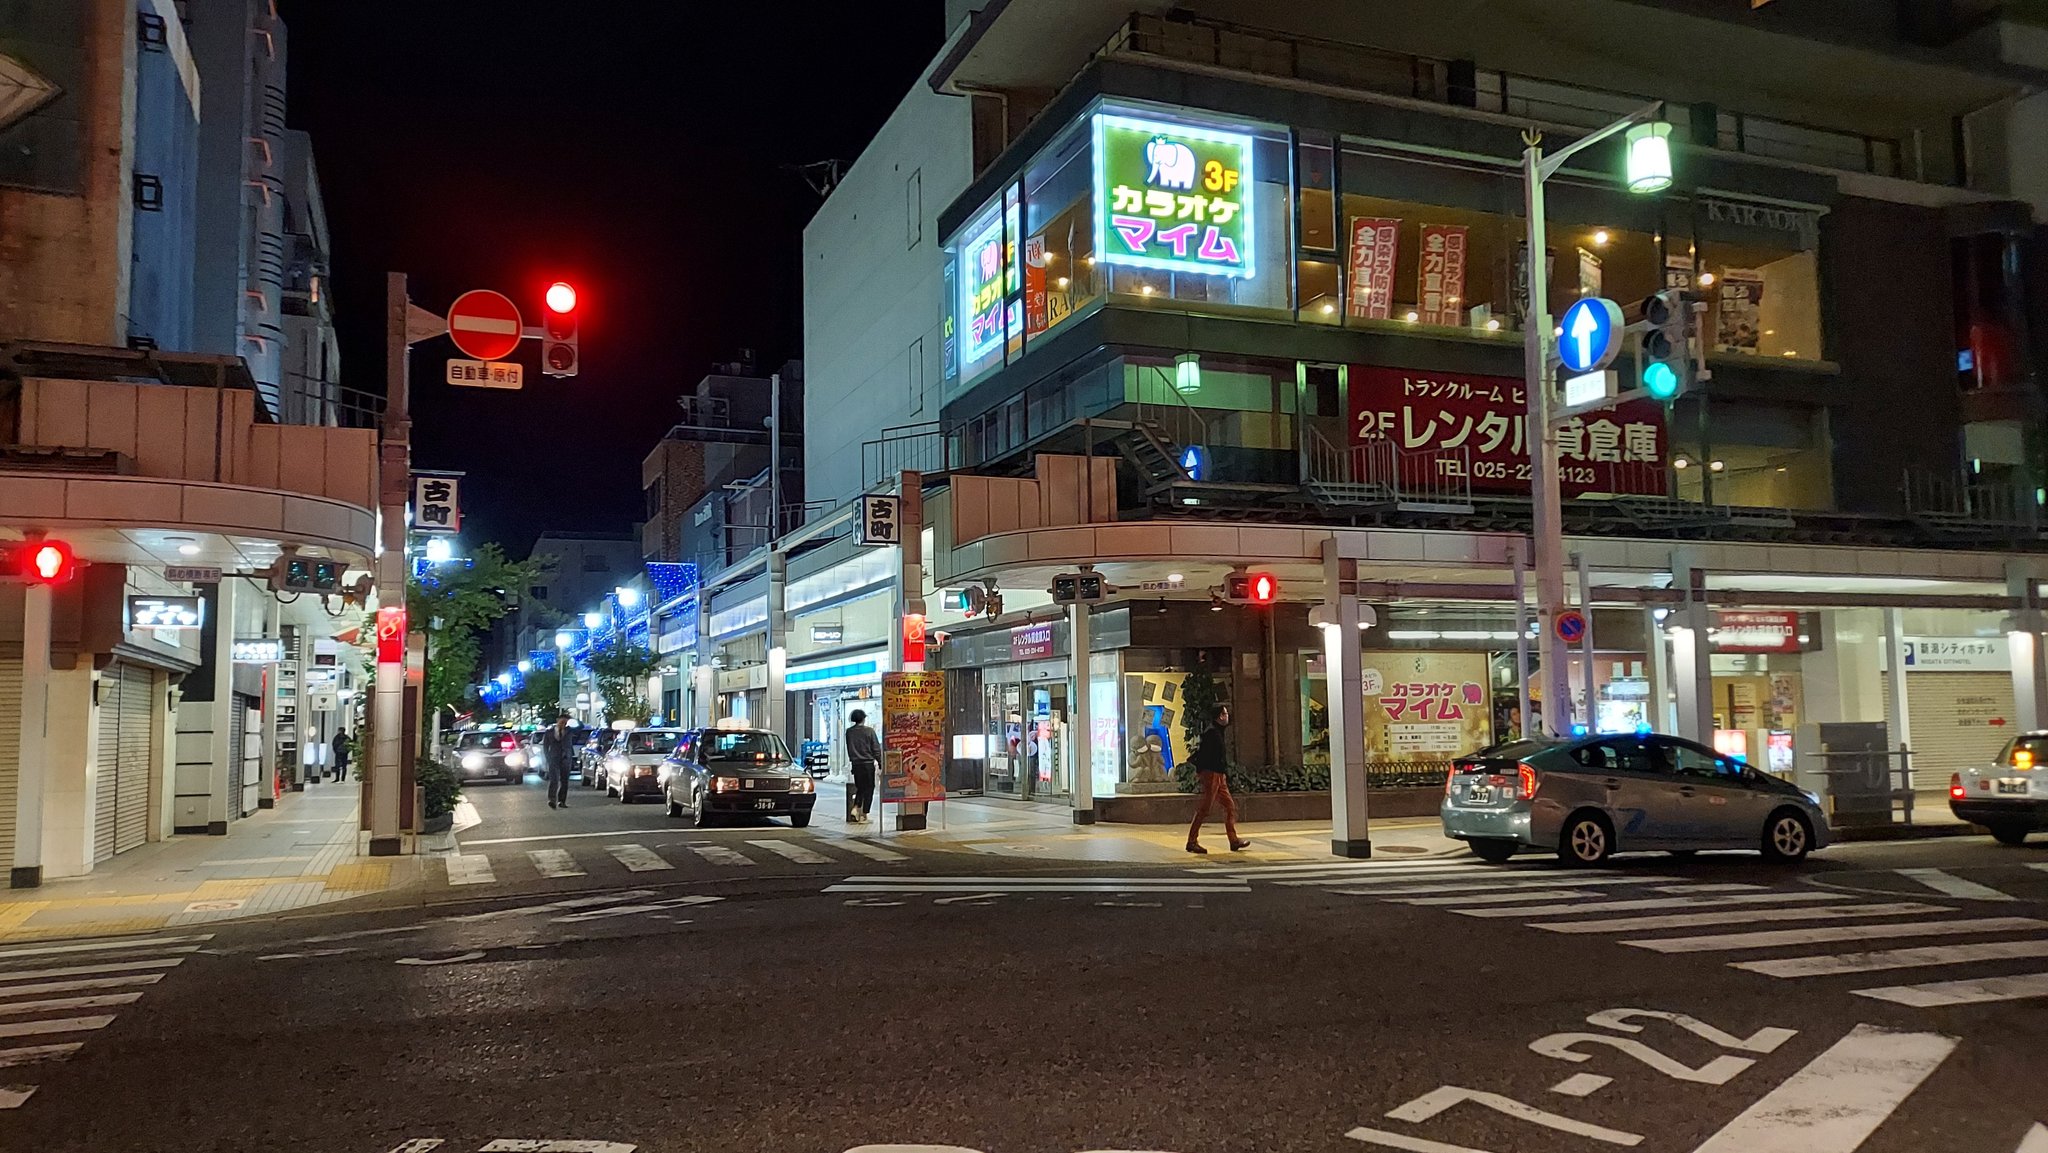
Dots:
pixel 1440 275
pixel 1375 242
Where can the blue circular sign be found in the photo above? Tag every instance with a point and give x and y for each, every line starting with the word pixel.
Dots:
pixel 1570 626
pixel 1592 335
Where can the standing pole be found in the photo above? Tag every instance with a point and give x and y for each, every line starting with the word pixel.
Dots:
pixel 1546 515
pixel 394 456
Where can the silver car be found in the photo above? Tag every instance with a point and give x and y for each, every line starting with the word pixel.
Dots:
pixel 1590 797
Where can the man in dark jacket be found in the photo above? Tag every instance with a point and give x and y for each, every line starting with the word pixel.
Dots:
pixel 864 751
pixel 558 749
pixel 1212 781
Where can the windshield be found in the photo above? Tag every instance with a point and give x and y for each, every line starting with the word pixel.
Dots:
pixel 481 740
pixel 744 745
pixel 1511 750
pixel 651 742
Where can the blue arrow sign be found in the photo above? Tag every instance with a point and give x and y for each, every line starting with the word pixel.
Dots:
pixel 1592 335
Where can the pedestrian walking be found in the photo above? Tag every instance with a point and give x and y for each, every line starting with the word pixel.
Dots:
pixel 558 749
pixel 1212 781
pixel 341 751
pixel 864 750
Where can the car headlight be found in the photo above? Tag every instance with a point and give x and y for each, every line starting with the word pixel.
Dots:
pixel 725 784
pixel 472 760
pixel 1811 796
pixel 802 785
pixel 515 760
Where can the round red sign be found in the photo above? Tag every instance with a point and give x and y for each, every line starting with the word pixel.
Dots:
pixel 1570 626
pixel 484 324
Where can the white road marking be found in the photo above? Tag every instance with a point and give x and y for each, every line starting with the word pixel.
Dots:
pixel 536 910
pixel 2036 1140
pixel 62 1004
pixel 420 1145
pixel 14 1096
pixel 1825 964
pixel 1350 877
pixel 78 985
pixel 59 1025
pixel 1370 867
pixel 1041 879
pixel 1739 917
pixel 1768 940
pixel 797 853
pixel 36 1054
pixel 1582 1084
pixel 967 897
pixel 869 903
pixel 1717 888
pixel 509 1145
pixel 469 869
pixel 554 863
pixel 1423 886
pixel 871 851
pixel 1948 884
pixel 1652 903
pixel 107 946
pixel 1386 1140
pixel 1977 992
pixel 472 955
pixel 85 970
pixel 307 955
pixel 614 835
pixel 1067 887
pixel 1499 898
pixel 720 855
pixel 1839 1099
pixel 638 858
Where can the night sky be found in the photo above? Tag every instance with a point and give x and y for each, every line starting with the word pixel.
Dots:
pixel 637 149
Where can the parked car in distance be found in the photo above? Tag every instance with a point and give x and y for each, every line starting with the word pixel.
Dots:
pixel 732 772
pixel 590 754
pixel 632 769
pixel 489 754
pixel 2009 796
pixel 1593 796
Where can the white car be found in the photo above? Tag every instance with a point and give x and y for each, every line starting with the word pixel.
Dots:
pixel 632 769
pixel 2008 796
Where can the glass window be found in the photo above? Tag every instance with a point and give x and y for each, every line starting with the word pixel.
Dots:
pixel 743 745
pixel 984 273
pixel 1059 228
pixel 1618 755
pixel 1759 267
pixel 1752 454
pixel 646 741
pixel 1316 282
pixel 1315 164
pixel 1699 764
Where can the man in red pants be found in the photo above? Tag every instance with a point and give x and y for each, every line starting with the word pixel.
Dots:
pixel 1213 783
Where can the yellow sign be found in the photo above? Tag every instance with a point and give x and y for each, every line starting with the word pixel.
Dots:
pixel 913 737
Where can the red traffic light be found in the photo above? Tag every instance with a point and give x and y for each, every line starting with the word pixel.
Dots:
pixel 47 562
pixel 561 297
pixel 1264 588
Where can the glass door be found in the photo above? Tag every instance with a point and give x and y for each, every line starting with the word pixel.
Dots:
pixel 1048 751
pixel 1005 776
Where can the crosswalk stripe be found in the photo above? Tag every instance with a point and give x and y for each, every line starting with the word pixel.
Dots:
pixel 554 863
pixel 61 1004
pixel 1738 917
pixel 15 1096
pixel 33 1054
pixel 87 970
pixel 1730 887
pixel 1975 992
pixel 1714 901
pixel 1409 878
pixel 107 946
pixel 1498 898
pixel 1950 885
pixel 1132 882
pixel 470 869
pixel 1366 866
pixel 1840 1098
pixel 1360 871
pixel 78 986
pixel 1725 942
pixel 55 1025
pixel 797 853
pixel 638 858
pixel 1825 964
pixel 1062 887
pixel 720 855
pixel 871 852
pixel 1418 888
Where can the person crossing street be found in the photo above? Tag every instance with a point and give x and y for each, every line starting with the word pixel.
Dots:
pixel 1213 782
pixel 558 749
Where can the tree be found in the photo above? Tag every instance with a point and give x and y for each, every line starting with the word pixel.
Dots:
pixel 542 691
pixel 621 674
pixel 1199 696
pixel 455 602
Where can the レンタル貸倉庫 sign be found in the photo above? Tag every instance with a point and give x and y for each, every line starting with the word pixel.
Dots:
pixel 1173 196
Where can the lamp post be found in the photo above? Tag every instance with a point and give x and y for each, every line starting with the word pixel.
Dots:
pixel 1649 170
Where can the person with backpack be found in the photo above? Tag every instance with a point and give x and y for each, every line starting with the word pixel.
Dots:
pixel 1212 781
pixel 341 751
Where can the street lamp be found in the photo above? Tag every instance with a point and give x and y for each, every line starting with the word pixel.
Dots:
pixel 1648 170
pixel 592 619
pixel 628 596
pixel 440 550
pixel 562 640
pixel 525 666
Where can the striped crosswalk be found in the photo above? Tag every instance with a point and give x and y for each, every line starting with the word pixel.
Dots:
pixel 94 978
pixel 504 863
pixel 1786 932
pixel 964 888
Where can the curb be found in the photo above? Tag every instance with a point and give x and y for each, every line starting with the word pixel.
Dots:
pixel 1905 833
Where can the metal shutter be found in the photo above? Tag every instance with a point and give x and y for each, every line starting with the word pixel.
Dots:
pixel 138 716
pixel 106 783
pixel 10 752
pixel 1958 720
pixel 234 756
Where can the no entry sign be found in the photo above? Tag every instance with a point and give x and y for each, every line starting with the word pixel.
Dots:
pixel 484 324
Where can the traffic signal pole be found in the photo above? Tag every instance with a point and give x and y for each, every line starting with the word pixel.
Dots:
pixel 394 478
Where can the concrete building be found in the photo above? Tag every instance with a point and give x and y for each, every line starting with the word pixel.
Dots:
pixel 721 440
pixel 1312 366
pixel 311 392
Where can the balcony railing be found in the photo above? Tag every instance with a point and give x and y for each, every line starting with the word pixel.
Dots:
pixel 1970 506
pixel 907 448
pixel 1379 473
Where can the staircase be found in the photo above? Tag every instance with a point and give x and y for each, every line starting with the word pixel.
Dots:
pixel 1157 460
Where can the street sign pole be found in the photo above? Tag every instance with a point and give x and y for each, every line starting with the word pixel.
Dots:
pixel 383 780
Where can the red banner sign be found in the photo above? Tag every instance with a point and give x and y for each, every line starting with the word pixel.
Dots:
pixel 1440 275
pixel 1481 423
pixel 391 635
pixel 1375 243
pixel 1756 632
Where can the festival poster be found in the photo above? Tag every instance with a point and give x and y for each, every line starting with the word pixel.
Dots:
pixel 1440 275
pixel 1375 244
pixel 913 737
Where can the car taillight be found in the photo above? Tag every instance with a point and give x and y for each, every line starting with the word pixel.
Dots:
pixel 1529 778
pixel 1955 786
pixel 508 744
pixel 2023 759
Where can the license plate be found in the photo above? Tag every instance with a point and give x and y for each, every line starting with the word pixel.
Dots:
pixel 2016 786
pixel 1479 795
pixel 764 804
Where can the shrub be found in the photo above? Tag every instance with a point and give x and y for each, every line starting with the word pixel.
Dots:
pixel 1263 779
pixel 442 787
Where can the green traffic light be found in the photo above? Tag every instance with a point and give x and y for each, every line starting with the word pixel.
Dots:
pixel 1660 381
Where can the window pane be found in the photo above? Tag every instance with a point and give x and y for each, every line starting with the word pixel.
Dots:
pixel 1761 275
pixel 1316 281
pixel 1317 167
pixel 1059 246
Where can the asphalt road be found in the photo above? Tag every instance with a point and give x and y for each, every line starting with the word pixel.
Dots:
pixel 1434 1006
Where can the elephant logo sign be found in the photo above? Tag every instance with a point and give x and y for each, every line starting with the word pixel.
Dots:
pixel 1173 163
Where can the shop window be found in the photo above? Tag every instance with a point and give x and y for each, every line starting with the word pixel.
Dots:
pixel 1315 163
pixel 1316 283
pixel 1059 246
pixel 1759 269
pixel 1415 262
pixel 984 271
pixel 1752 455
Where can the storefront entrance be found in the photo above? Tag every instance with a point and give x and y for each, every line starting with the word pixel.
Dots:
pixel 1029 753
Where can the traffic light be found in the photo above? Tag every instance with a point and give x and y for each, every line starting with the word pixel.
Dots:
pixel 1251 588
pixel 304 574
pixel 1087 587
pixel 558 355
pixel 1666 361
pixel 48 562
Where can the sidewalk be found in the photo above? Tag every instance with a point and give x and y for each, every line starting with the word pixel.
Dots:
pixel 302 853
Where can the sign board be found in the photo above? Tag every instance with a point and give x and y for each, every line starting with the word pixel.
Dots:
pixel 1158 586
pixel 436 504
pixel 881 521
pixel 1174 196
pixel 487 373
pixel 1031 642
pixel 168 613
pixel 828 634
pixel 1591 388
pixel 192 574
pixel 1957 655
pixel 1425 705
pixel 391 635
pixel 485 325
pixel 1757 632
pixel 1592 335
pixel 1440 274
pixel 1570 626
pixel 1375 244
pixel 1194 460
pixel 257 650
pixel 913 737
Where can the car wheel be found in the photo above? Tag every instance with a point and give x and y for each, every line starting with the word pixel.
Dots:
pixel 699 816
pixel 2010 834
pixel 1787 837
pixel 1492 850
pixel 799 820
pixel 1587 840
pixel 675 808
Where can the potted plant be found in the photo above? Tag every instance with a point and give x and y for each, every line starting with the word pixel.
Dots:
pixel 440 789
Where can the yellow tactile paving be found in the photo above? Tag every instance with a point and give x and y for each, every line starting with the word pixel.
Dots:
pixel 360 877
